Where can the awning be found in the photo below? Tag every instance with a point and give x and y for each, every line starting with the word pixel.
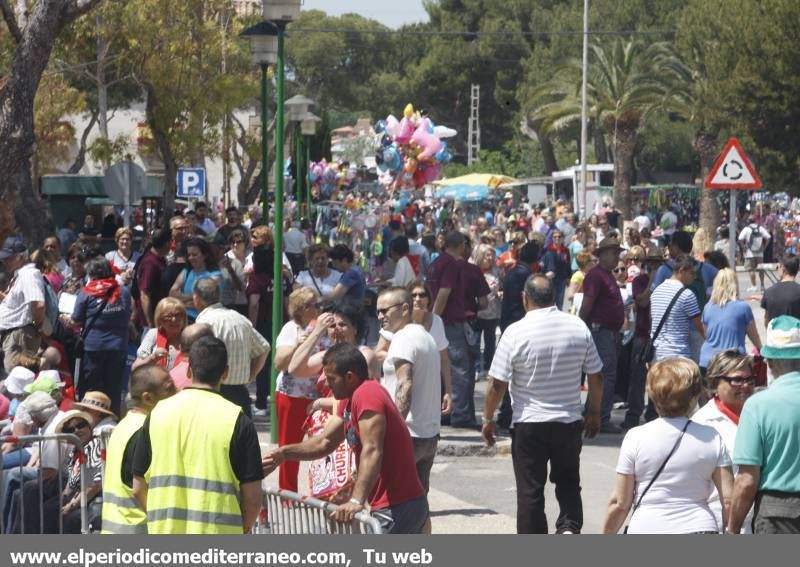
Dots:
pixel 488 180
pixel 91 186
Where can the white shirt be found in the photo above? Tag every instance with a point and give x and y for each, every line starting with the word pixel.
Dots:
pixel 48 459
pixel 677 502
pixel 27 287
pixel 542 357
pixel 710 415
pixel 642 221
pixel 286 383
pixel 241 340
pixel 403 273
pixel 294 241
pixel 323 286
pixel 669 222
pixel 744 239
pixel 437 332
pixel 414 344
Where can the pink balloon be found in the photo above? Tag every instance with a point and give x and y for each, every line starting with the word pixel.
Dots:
pixel 431 172
pixel 404 132
pixel 429 143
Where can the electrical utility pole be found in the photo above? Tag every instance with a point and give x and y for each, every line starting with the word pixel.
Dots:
pixel 474 141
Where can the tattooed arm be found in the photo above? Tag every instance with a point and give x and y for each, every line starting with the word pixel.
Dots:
pixel 405 377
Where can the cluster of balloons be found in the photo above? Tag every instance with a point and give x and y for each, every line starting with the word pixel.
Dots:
pixel 411 150
pixel 326 177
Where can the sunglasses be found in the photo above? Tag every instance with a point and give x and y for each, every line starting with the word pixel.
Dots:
pixel 74 428
pixel 385 311
pixel 739 381
pixel 618 270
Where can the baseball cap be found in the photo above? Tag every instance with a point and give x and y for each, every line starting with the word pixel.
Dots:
pixel 783 338
pixel 12 245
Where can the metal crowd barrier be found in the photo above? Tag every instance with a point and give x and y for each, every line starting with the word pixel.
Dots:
pixel 286 512
pixel 6 504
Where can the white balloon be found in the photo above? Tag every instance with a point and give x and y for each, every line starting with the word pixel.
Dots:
pixel 392 125
pixel 443 132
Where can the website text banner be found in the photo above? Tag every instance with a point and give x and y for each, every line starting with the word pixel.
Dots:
pixel 388 551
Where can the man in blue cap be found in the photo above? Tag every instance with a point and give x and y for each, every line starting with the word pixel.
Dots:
pixel 22 309
pixel 768 440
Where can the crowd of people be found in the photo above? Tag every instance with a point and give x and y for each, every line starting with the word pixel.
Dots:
pixel 371 363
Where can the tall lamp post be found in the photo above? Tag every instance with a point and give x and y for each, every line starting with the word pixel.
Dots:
pixel 264 52
pixel 308 127
pixel 298 108
pixel 278 14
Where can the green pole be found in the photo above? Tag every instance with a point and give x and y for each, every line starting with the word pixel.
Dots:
pixel 306 181
pixel 298 150
pixel 277 268
pixel 264 149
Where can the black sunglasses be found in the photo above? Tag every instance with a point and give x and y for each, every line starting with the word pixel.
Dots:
pixel 618 270
pixel 739 380
pixel 74 428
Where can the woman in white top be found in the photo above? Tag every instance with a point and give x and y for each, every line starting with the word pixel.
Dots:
pixel 730 375
pixel 234 260
pixel 318 276
pixel 404 273
pixel 123 259
pixel 293 394
pixel 694 459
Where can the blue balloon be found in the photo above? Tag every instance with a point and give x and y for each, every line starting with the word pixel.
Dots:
pixel 431 126
pixel 443 155
pixel 380 126
pixel 392 159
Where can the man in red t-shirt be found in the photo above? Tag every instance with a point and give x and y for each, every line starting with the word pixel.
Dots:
pixel 149 278
pixel 387 484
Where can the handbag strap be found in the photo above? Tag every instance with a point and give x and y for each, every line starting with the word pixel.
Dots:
pixel 666 314
pixel 93 320
pixel 661 468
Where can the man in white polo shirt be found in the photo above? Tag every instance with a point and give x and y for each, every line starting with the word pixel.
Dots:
pixel 542 357
pixel 412 376
pixel 22 310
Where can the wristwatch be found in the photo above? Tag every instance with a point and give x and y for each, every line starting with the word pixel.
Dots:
pixel 485 421
pixel 357 502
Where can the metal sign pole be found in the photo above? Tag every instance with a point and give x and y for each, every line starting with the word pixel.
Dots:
pixel 127 211
pixel 732 232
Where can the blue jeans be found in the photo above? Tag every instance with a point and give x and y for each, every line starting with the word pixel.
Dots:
pixel 12 487
pixel 488 329
pixel 607 343
pixel 462 375
pixel 638 376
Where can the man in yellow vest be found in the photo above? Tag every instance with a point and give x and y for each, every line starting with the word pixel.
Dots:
pixel 197 466
pixel 121 513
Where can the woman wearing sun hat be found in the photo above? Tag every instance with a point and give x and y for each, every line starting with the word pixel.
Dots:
pixel 98 406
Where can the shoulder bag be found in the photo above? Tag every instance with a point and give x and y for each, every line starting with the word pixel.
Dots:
pixel 660 469
pixel 649 351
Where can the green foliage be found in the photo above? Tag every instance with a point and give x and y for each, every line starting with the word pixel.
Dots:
pixel 519 158
pixel 103 150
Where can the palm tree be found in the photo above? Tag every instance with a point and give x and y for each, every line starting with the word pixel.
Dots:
pixel 627 81
pixel 697 102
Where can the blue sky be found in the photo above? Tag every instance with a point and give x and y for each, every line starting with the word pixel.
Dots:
pixel 392 13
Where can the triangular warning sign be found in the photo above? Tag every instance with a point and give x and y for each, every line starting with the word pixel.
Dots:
pixel 733 170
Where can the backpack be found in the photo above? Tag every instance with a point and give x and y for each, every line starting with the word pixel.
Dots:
pixel 135 292
pixel 755 241
pixel 698 286
pixel 51 311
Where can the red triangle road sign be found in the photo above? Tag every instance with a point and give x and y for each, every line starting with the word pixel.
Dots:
pixel 733 170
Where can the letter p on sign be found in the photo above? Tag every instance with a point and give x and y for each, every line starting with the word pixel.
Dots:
pixel 191 183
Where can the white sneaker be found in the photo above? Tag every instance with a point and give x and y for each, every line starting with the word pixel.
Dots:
pixel 260 413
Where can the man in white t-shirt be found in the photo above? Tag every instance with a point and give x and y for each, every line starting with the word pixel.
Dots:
pixel 540 358
pixel 753 239
pixel 412 376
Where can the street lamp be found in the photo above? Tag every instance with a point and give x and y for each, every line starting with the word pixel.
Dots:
pixel 308 127
pixel 277 14
pixel 264 51
pixel 298 108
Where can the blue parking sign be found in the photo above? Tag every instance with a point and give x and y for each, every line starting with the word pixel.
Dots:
pixel 191 183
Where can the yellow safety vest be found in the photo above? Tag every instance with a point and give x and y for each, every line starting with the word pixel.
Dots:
pixel 192 488
pixel 121 513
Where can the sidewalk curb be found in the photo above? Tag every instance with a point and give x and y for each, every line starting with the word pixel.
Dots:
pixel 503 447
